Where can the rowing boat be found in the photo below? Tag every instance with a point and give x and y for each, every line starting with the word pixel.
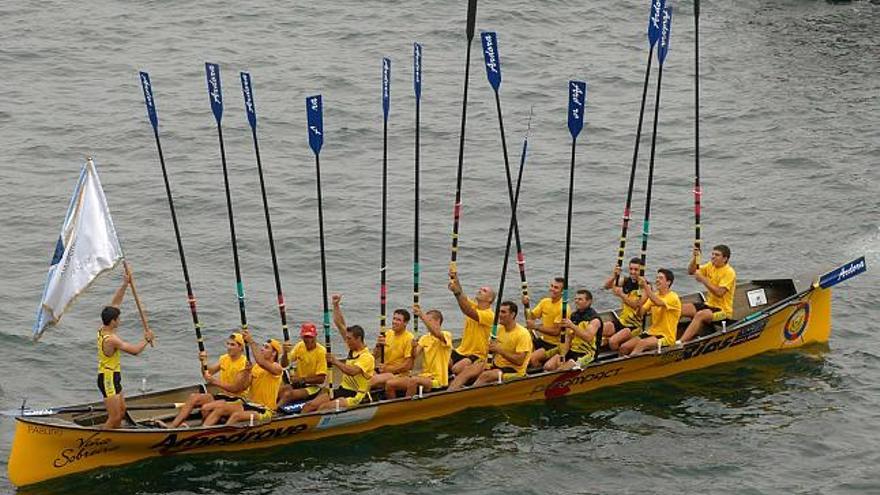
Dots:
pixel 772 315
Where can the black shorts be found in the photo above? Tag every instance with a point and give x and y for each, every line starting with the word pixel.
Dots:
pixel 456 357
pixel 504 369
pixel 571 355
pixel 701 306
pixel 543 344
pixel 340 392
pixel 618 326
pixel 110 386
pixel 227 398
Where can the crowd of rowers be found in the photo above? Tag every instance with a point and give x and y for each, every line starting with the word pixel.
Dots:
pixel 549 341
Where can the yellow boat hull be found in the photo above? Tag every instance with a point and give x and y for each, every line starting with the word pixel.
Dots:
pixel 46 448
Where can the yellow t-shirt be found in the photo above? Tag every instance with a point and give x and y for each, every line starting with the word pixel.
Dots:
pixel 664 321
pixel 107 364
pixel 435 361
pixel 264 387
pixel 308 362
pixel 359 383
pixel 722 277
pixel 398 348
pixel 515 341
pixel 550 314
pixel 475 336
pixel 230 368
pixel 629 316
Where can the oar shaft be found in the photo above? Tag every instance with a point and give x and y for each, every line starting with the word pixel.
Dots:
pixel 323 257
pixel 698 191
pixel 416 266
pixel 191 299
pixel 568 235
pixel 383 289
pixel 282 307
pixel 646 226
pixel 632 173
pixel 520 255
pixel 456 212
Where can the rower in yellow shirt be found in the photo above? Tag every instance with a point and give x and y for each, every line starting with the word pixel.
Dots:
pixel 719 278
pixel 357 368
pixel 665 308
pixel 261 384
pixel 478 319
pixel 398 353
pixel 436 348
pixel 229 366
pixel 548 328
pixel 311 366
pixel 511 350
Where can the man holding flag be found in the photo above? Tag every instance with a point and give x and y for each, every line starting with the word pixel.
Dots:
pixel 86 248
pixel 109 345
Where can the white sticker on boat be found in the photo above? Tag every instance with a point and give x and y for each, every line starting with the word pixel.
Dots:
pixel 355 416
pixel 757 297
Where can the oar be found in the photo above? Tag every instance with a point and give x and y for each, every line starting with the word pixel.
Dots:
pixel 456 211
pixel 520 256
pixel 250 108
pixel 698 191
pixel 417 88
pixel 492 58
pixel 315 119
pixel 653 36
pixel 30 413
pixel 215 95
pixel 662 50
pixel 386 106
pixel 577 100
pixel 190 297
pixel 511 230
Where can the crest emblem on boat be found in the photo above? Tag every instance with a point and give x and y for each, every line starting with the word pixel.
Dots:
pixel 797 322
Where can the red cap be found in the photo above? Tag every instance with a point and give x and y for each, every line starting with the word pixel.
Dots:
pixel 308 329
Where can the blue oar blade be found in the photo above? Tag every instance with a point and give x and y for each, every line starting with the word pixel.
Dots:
pixel 148 99
pixel 386 86
pixel 315 116
pixel 842 273
pixel 417 70
pixel 249 106
pixel 665 32
pixel 654 21
pixel 577 99
pixel 215 94
pixel 492 58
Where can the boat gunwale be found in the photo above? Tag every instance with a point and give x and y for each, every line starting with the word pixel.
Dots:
pixel 51 420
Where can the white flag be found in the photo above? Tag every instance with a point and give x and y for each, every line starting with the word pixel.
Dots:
pixel 86 248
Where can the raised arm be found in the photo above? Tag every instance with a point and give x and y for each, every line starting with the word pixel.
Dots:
pixel 692 264
pixel 463 303
pixel 120 292
pixel 338 317
pixel 611 282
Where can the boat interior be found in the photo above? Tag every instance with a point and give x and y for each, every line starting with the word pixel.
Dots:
pixel 146 410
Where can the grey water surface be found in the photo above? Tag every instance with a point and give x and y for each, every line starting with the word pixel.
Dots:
pixel 790 144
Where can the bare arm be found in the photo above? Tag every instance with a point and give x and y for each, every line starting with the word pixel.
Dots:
pixel 338 317
pixel 460 298
pixel 270 366
pixel 241 383
pixel 611 282
pixel 692 265
pixel 406 365
pixel 113 342
pixel 120 292
pixel 348 369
